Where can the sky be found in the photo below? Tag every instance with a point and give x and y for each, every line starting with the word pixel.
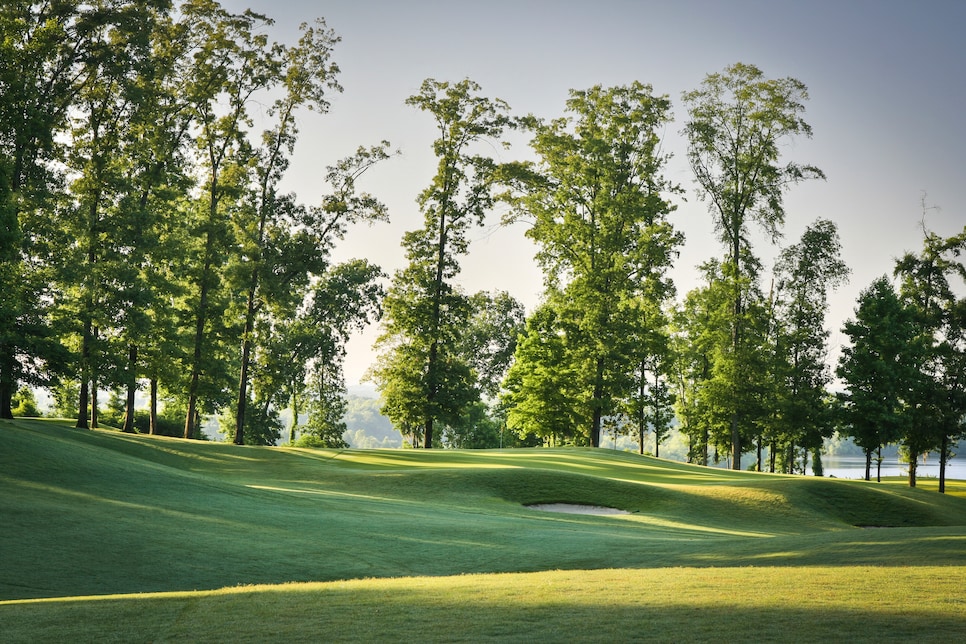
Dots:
pixel 886 82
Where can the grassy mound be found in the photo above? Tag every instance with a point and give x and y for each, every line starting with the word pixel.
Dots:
pixel 102 513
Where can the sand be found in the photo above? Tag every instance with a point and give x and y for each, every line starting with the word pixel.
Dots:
pixel 570 508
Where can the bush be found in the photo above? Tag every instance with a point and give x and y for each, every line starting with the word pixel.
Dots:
pixel 24 403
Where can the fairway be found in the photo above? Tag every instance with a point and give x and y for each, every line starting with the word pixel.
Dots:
pixel 92 520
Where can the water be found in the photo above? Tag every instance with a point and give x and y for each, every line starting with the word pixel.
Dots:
pixel 853 467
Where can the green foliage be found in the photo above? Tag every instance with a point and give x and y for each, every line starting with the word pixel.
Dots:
pixel 262 424
pixel 64 394
pixel 478 429
pixel 541 392
pixel 424 374
pixel 805 273
pixel 737 121
pixel 24 403
pixel 877 368
pixel 936 402
pixel 597 203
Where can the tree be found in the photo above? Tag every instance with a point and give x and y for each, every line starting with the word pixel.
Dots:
pixel 422 376
pixel 937 403
pixel 541 390
pixel 805 273
pixel 312 345
pixel 490 337
pixel 738 119
pixel 25 403
pixel 233 64
pixel 156 143
pixel 306 74
pixel 597 204
pixel 41 72
pixel 100 247
pixel 697 327
pixel 877 369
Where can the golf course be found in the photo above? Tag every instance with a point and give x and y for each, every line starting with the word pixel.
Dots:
pixel 106 536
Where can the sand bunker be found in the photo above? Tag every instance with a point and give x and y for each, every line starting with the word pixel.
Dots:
pixel 570 508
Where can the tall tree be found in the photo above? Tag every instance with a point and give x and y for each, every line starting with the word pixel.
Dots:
pixel 41 72
pixel 936 404
pixel 307 74
pixel 423 377
pixel 156 143
pixel 101 268
pixel 598 204
pixel 234 62
pixel 877 369
pixel 805 273
pixel 738 120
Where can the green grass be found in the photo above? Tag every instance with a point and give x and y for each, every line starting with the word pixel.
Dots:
pixel 106 536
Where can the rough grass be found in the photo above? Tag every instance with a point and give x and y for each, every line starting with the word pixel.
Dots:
pixel 106 514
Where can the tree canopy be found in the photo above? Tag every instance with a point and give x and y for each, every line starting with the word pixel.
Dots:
pixel 147 242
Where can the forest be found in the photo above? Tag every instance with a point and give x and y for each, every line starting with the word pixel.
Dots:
pixel 147 245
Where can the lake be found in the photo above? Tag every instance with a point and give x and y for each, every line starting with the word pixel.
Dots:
pixel 853 467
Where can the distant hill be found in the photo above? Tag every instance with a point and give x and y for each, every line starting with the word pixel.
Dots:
pixel 366 427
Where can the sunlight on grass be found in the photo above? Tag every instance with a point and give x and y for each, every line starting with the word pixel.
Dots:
pixel 679 604
pixel 707 554
pixel 677 529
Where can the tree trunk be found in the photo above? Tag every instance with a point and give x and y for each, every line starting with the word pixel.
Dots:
pixel 153 413
pixel 201 319
pixel 704 445
pixel 735 443
pixel 243 387
pixel 295 417
pixel 657 431
pixel 913 465
pixel 598 400
pixel 95 423
pixel 200 322
pixel 132 360
pixel 641 421
pixel 943 455
pixel 432 390
pixel 735 344
pixel 85 373
pixel 7 361
pixel 868 463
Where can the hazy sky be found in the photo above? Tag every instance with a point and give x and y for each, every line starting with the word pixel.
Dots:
pixel 887 85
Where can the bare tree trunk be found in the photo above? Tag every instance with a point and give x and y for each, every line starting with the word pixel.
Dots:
pixel 132 360
pixel 85 370
pixel 242 403
pixel 7 362
pixel 295 417
pixel 641 422
pixel 94 411
pixel 943 456
pixel 153 413
pixel 598 397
